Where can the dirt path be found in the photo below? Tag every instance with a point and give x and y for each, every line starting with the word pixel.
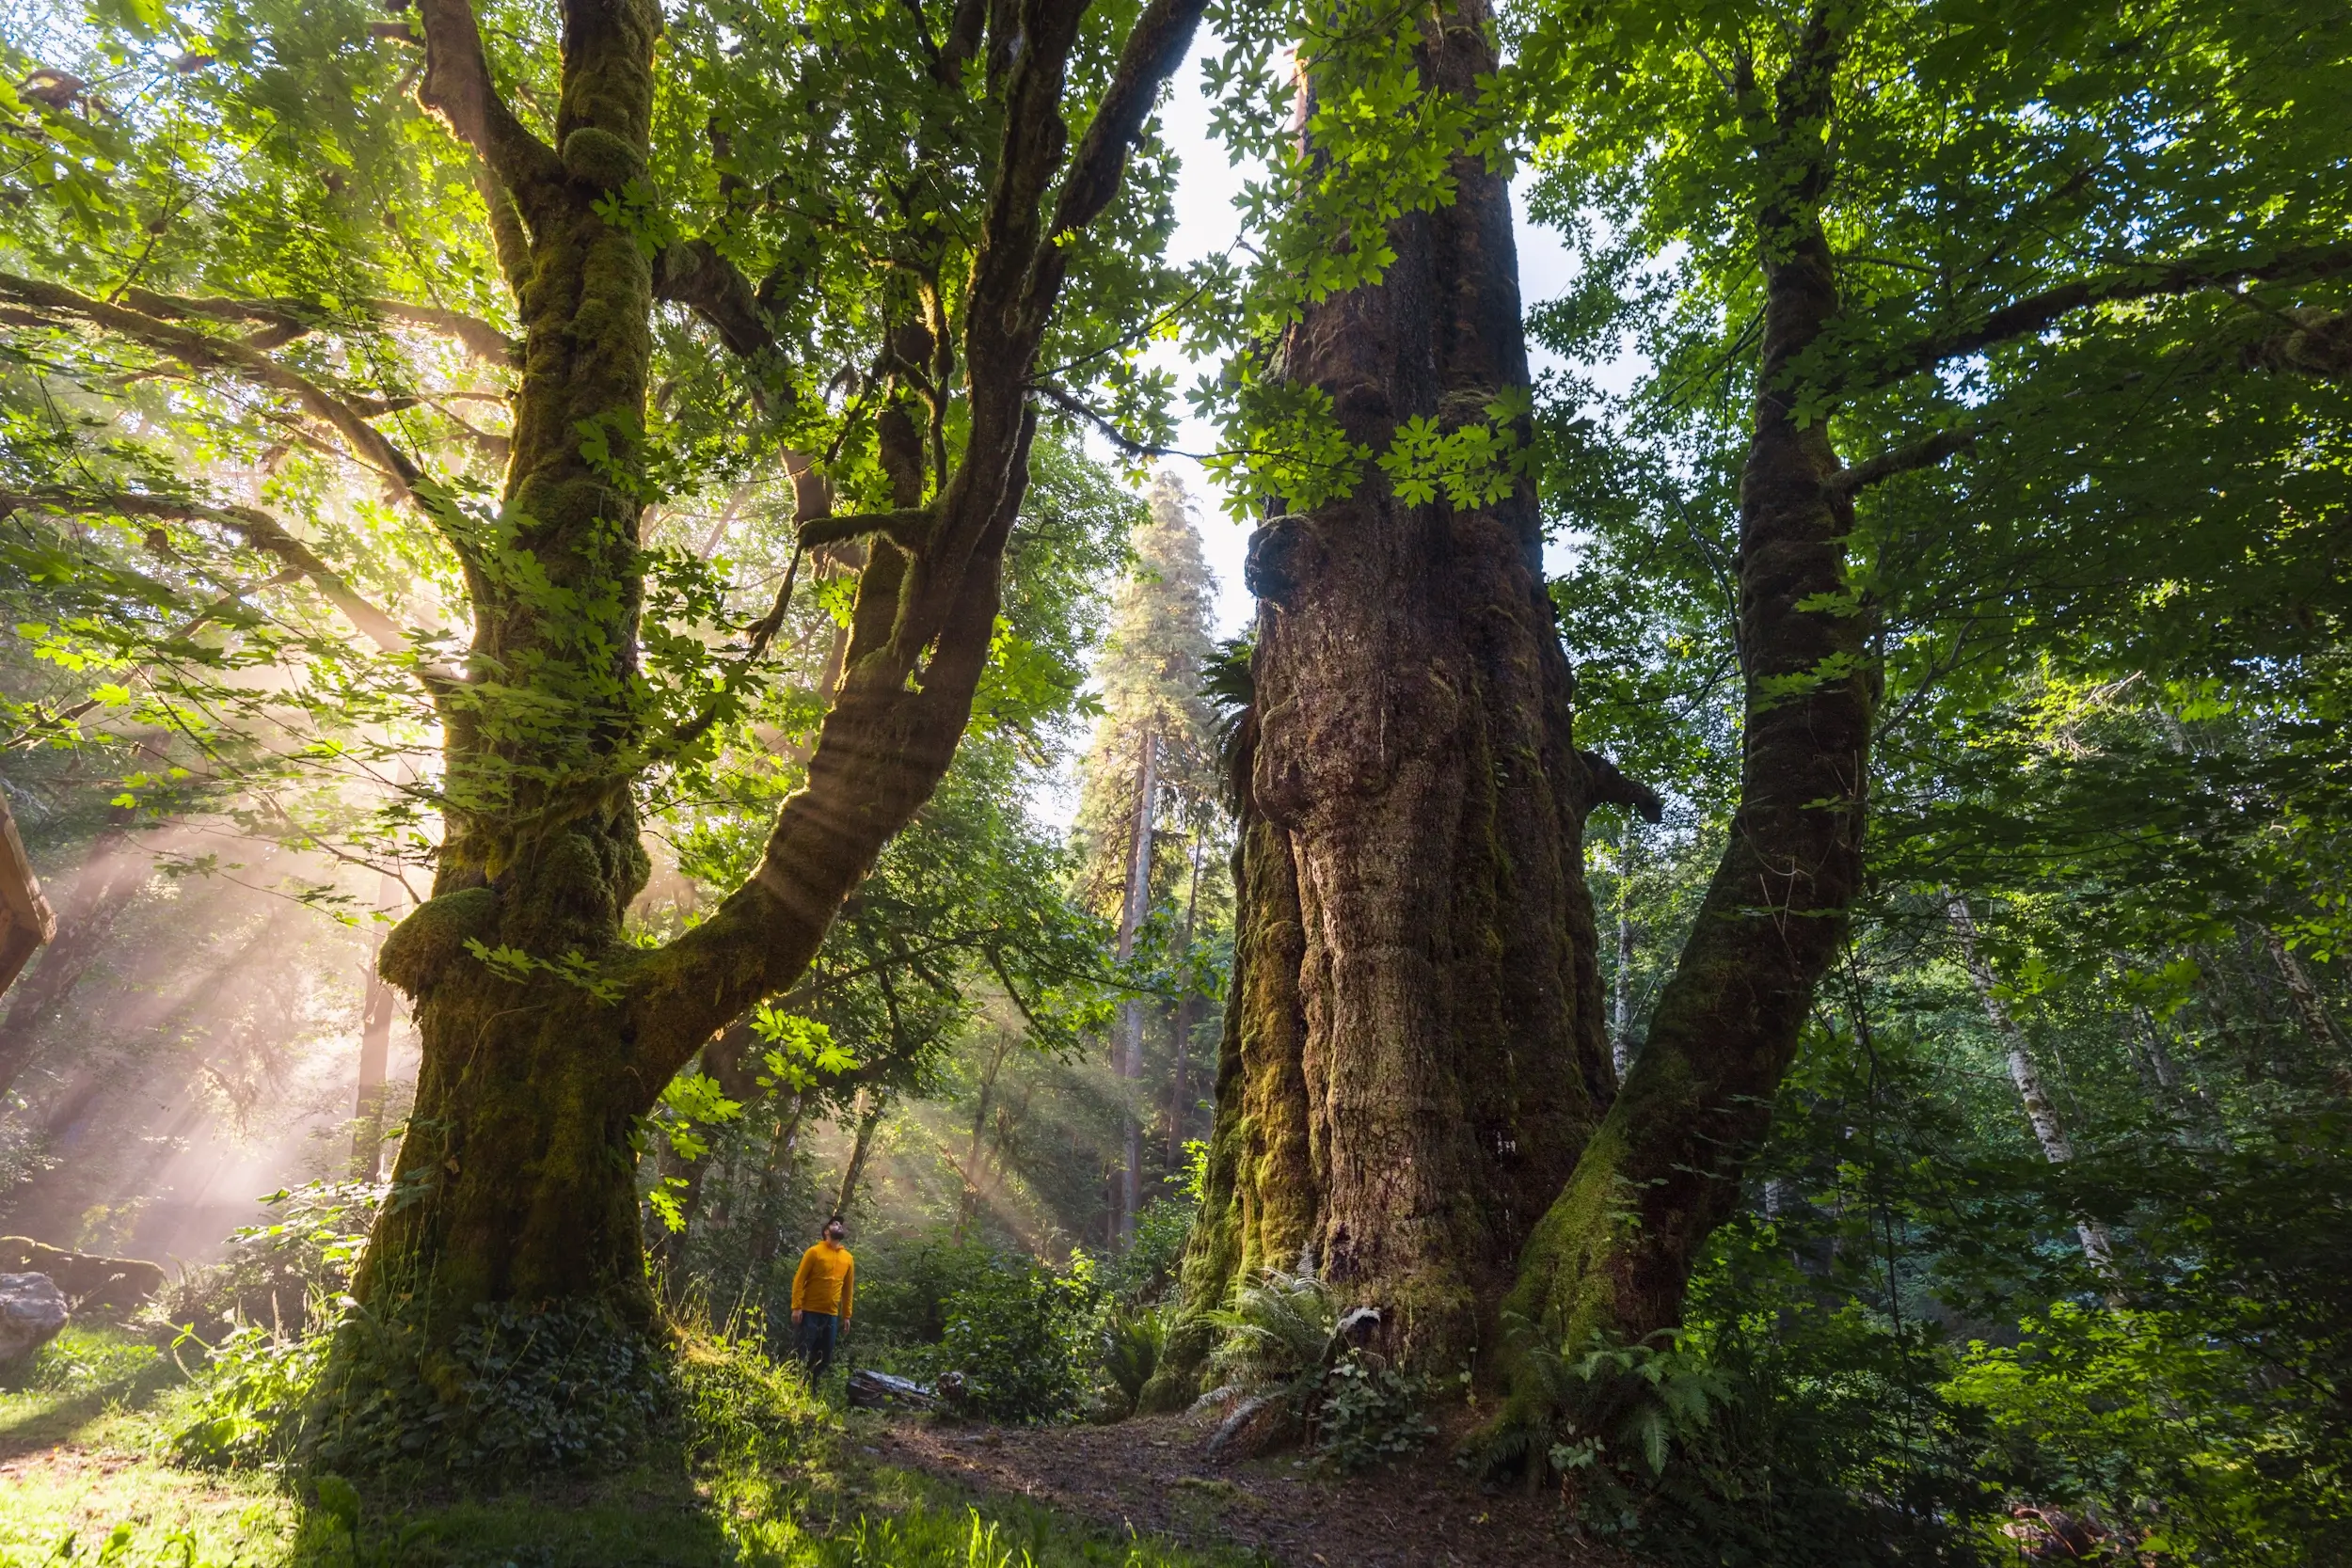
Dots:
pixel 1150 1475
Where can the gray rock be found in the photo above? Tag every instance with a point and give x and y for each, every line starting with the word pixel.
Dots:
pixel 32 1309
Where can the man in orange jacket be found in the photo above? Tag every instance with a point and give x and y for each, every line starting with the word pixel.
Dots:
pixel 821 1291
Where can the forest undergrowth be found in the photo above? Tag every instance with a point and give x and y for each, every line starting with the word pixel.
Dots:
pixel 746 1466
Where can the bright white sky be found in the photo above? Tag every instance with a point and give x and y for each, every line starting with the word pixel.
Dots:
pixel 1206 225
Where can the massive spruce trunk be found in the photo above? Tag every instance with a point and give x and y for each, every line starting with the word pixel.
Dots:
pixel 547 1037
pixel 1415 1049
pixel 1416 1084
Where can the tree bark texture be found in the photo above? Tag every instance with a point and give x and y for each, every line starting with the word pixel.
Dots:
pixel 1415 1047
pixel 27 921
pixel 516 1183
pixel 112 874
pixel 1616 1252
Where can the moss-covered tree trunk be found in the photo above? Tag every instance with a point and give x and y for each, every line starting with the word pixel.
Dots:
pixel 546 1036
pixel 1615 1254
pixel 1416 1079
pixel 1415 1049
pixel 515 1179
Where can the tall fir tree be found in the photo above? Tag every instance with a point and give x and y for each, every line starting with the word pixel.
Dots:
pixel 1150 781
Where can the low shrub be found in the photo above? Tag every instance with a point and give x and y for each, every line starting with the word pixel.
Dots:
pixel 904 1285
pixel 563 1387
pixel 1787 1433
pixel 1020 1336
pixel 1293 1377
pixel 283 1273
pixel 246 1398
pixel 1132 1338
pixel 1369 1414
pixel 2150 1425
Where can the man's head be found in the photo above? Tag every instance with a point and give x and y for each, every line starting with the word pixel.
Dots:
pixel 836 1230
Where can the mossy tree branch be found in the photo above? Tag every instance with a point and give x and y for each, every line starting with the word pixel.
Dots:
pixel 256 527
pixel 456 86
pixel 925 619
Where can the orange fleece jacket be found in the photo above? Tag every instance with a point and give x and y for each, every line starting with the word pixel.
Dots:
pixel 825 1281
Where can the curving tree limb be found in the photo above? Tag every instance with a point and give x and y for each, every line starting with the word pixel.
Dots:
pixel 257 529
pixel 203 350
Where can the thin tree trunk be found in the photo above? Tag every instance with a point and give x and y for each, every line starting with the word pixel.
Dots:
pixel 1132 911
pixel 772 1171
pixel 2309 1009
pixel 1621 1046
pixel 376 1055
pixel 112 873
pixel 1188 1013
pixel 974 1150
pixel 2024 1072
pixel 873 1103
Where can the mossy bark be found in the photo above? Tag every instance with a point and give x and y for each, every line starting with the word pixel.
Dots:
pixel 1614 1255
pixel 547 1035
pixel 515 1179
pixel 1415 1048
pixel 1415 979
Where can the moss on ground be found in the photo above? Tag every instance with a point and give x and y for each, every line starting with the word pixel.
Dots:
pixel 760 1474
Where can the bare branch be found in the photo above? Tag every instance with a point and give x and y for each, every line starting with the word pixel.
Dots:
pixel 1612 787
pixel 1154 49
pixel 288 319
pixel 693 273
pixel 456 86
pixel 257 529
pixel 1077 409
pixel 483 340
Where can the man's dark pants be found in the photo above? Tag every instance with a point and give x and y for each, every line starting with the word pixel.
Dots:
pixel 814 1341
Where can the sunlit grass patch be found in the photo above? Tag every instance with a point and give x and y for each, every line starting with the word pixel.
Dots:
pixel 70 1506
pixel 754 1472
pixel 75 1385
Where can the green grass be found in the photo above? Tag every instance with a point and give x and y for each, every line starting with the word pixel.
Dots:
pixel 760 1476
pixel 80 1381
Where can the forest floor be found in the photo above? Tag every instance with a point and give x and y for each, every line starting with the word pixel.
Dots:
pixel 87 1478
pixel 86 1473
pixel 1152 1475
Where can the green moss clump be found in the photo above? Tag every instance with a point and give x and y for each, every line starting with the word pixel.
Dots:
pixel 421 947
